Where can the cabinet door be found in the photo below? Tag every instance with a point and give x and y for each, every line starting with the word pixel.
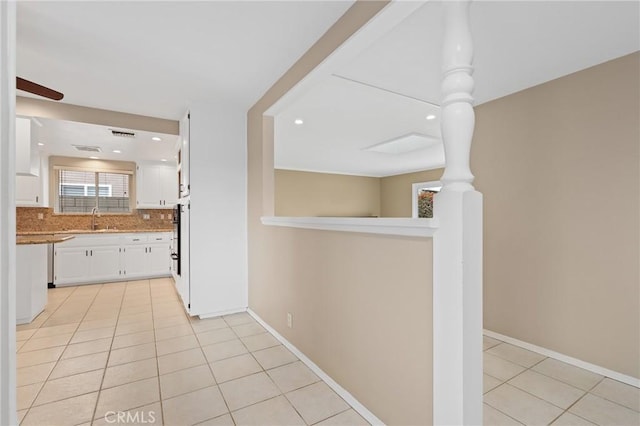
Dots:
pixel 28 191
pixel 71 265
pixel 148 187
pixel 159 259
pixel 169 182
pixel 134 260
pixel 105 263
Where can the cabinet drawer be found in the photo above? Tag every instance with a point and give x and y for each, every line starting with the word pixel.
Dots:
pixel 82 240
pixel 159 238
pixel 135 239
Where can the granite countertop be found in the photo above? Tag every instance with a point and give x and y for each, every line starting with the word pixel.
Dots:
pixel 42 239
pixel 88 231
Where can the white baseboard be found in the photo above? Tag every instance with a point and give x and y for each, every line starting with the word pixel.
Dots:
pixel 220 313
pixel 344 394
pixel 565 358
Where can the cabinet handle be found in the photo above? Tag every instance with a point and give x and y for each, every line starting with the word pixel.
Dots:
pixel 136 239
pixel 86 252
pixel 91 252
pixel 149 249
pixel 37 198
pixel 145 249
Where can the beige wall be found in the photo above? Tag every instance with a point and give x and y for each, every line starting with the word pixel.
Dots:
pixel 361 303
pixel 361 307
pixel 396 191
pixel 343 195
pixel 299 193
pixel 63 111
pixel 559 168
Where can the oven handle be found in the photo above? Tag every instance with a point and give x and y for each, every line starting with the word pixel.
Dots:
pixel 174 256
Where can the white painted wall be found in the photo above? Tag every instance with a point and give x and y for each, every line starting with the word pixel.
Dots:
pixel 218 221
pixel 7 214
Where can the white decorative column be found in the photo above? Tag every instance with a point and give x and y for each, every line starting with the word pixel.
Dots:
pixel 7 214
pixel 457 289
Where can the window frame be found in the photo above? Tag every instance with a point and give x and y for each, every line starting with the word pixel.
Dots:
pixel 96 171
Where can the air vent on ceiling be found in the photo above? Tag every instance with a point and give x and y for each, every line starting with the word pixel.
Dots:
pixel 87 148
pixel 122 133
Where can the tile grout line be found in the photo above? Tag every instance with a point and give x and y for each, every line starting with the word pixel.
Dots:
pixel 59 358
pixel 106 365
pixel 54 366
pixel 285 364
pixel 155 348
pixel 565 410
pixel 530 368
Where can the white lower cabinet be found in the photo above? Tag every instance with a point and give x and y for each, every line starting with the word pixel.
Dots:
pixel 134 261
pixel 104 263
pixel 158 255
pixel 71 265
pixel 102 258
pixel 147 255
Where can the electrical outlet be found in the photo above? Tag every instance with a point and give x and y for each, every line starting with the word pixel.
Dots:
pixel 145 216
pixel 289 320
pixel 161 216
pixel 41 216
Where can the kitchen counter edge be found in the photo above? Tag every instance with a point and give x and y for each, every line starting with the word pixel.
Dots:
pixel 87 231
pixel 42 239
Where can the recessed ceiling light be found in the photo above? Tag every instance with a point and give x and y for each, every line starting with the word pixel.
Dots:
pixel 93 157
pixel 155 138
pixel 40 144
pixel 298 121
pixel 431 117
pixel 164 159
pixel 116 151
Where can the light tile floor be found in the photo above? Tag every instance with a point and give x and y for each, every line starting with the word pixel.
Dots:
pixel 525 388
pixel 128 349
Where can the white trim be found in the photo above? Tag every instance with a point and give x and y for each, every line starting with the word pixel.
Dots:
pixel 630 380
pixel 389 226
pixel 388 18
pixel 7 214
pixel 220 313
pixel 344 394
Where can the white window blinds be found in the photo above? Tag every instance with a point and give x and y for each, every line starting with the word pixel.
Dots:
pixel 77 191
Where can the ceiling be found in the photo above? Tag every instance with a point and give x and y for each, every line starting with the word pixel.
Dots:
pixel 387 89
pixel 58 137
pixel 155 58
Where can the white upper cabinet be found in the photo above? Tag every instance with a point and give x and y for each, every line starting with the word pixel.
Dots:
pixel 156 186
pixel 27 157
pixel 32 191
pixel 28 191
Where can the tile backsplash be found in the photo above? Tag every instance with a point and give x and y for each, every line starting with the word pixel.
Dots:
pixel 28 220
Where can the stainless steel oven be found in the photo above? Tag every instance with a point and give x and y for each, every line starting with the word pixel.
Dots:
pixel 175 241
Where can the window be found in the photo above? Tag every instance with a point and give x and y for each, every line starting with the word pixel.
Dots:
pixel 422 196
pixel 77 191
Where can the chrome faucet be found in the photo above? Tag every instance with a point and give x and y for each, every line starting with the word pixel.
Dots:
pixel 94 211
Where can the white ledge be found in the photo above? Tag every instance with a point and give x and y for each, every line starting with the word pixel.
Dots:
pixel 386 225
